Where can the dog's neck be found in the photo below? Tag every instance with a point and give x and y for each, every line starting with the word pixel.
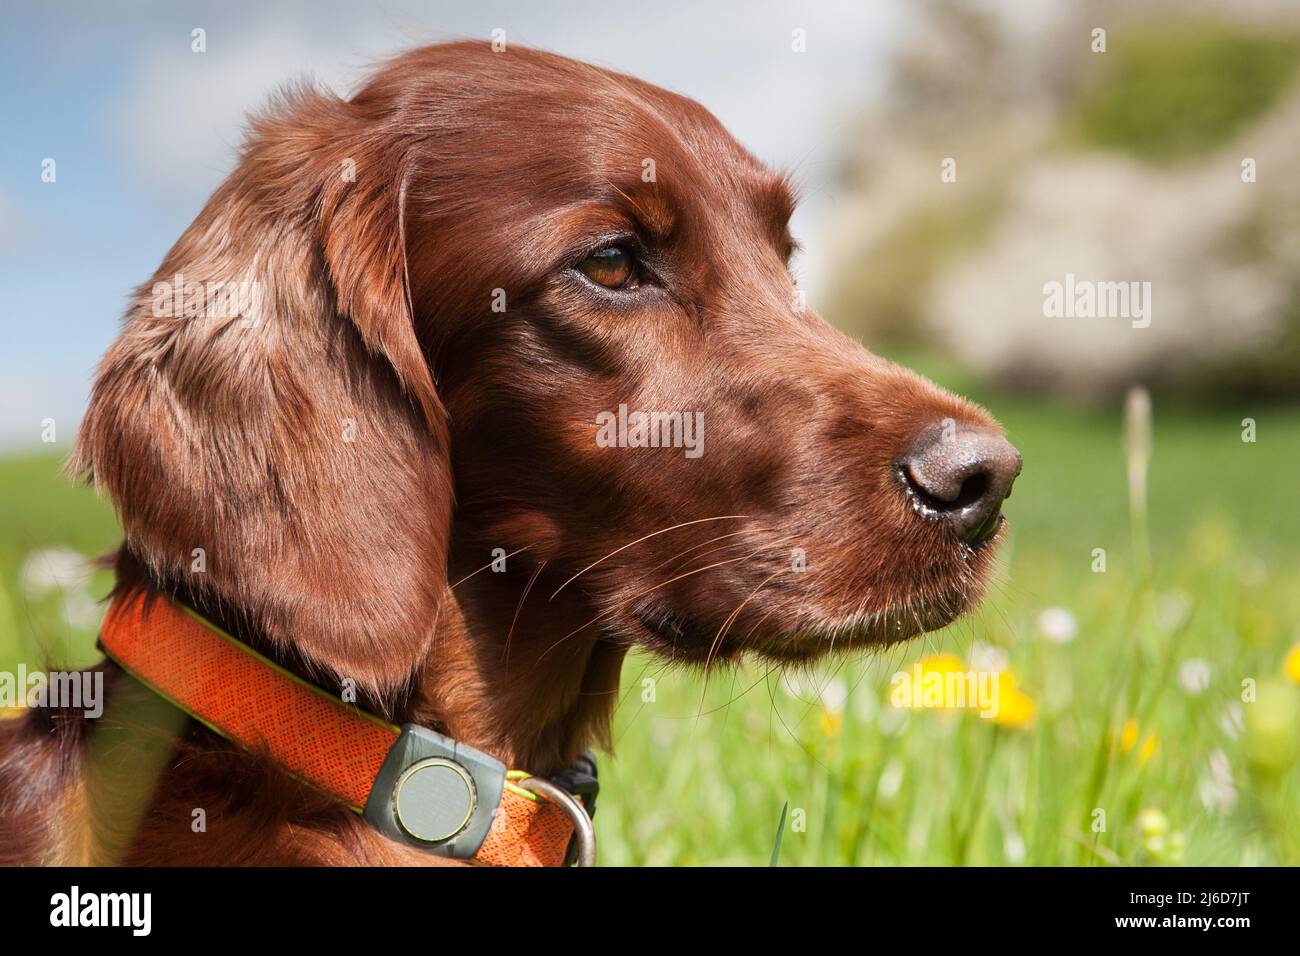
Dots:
pixel 525 681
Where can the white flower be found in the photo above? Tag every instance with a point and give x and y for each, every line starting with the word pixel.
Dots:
pixel 1217 790
pixel 664 733
pixel 1232 721
pixel 833 694
pixel 891 780
pixel 986 658
pixel 1013 845
pixel 865 707
pixel 52 569
pixel 1194 675
pixel 80 610
pixel 1170 610
pixel 1057 625
pixel 891 720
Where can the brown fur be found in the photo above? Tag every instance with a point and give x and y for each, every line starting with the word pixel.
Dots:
pixel 473 429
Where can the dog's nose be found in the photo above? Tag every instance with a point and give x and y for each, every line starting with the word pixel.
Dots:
pixel 961 478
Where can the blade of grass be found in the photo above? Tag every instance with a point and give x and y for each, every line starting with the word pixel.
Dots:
pixel 780 832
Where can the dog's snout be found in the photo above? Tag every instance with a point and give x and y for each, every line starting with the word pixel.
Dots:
pixel 961 478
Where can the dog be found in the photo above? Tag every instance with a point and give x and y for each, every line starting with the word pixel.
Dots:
pixel 454 392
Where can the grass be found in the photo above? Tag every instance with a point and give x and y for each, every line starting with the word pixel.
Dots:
pixel 704 768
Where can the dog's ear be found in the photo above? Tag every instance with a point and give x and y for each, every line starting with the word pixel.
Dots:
pixel 267 425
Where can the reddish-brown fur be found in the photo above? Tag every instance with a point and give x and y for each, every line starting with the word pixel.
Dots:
pixel 349 460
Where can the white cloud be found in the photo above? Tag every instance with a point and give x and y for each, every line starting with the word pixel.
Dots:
pixel 181 114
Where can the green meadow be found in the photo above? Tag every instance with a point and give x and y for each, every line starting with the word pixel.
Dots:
pixel 1158 717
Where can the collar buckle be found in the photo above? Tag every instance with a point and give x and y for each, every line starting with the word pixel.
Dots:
pixel 435 793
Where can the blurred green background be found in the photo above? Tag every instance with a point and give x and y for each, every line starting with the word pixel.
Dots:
pixel 1160 717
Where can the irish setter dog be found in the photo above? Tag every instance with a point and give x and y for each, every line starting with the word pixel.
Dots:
pixel 391 458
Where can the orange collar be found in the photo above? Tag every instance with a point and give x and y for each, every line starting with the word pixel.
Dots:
pixel 411 784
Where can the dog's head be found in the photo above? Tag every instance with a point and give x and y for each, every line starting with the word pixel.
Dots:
pixel 510 304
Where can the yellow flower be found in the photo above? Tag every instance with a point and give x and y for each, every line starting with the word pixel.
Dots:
pixel 1158 837
pixel 1152 823
pixel 1128 739
pixel 1015 707
pixel 1291 666
pixel 942 682
pixel 941 664
pixel 830 722
pixel 910 685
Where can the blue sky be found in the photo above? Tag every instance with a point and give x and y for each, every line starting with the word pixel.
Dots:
pixel 142 129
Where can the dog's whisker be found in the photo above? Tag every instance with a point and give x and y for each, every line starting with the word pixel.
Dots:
pixel 453 587
pixel 701 554
pixel 627 601
pixel 653 534
pixel 726 626
pixel 519 607
pixel 731 618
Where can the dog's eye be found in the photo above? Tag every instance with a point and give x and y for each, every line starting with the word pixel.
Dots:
pixel 613 267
